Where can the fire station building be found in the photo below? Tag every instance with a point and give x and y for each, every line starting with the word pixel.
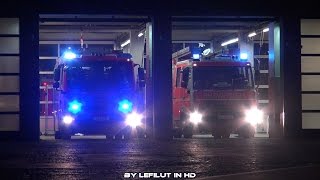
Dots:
pixel 34 35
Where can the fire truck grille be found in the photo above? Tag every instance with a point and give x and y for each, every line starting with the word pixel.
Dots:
pixel 101 108
pixel 224 106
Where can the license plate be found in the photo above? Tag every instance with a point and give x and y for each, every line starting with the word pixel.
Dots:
pixel 225 117
pixel 100 118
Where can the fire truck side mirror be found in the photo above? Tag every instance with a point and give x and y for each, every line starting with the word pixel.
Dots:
pixel 56 75
pixel 141 77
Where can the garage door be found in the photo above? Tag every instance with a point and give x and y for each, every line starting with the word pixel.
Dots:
pixel 310 71
pixel 9 75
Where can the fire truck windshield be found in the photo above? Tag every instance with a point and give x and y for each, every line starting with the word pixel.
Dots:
pixel 100 76
pixel 222 77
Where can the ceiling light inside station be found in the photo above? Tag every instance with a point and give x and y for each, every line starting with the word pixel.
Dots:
pixel 252 34
pixel 140 34
pixel 125 43
pixel 230 42
pixel 265 30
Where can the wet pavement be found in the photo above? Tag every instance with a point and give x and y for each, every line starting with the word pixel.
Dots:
pixel 110 159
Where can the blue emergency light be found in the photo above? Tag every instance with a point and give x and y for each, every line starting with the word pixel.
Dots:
pixel 69 55
pixel 75 107
pixel 125 106
pixel 243 56
pixel 195 56
pixel 196 53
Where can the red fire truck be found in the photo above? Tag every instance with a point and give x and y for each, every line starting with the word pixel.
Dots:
pixel 98 94
pixel 214 94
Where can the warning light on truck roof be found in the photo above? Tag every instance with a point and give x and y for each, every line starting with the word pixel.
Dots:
pixel 243 56
pixel 69 55
pixel 196 56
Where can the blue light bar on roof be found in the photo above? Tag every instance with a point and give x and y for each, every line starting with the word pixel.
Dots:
pixel 243 56
pixel 195 56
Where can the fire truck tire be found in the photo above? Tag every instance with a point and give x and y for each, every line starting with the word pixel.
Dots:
pixel 57 135
pixel 109 136
pixel 177 133
pixel 140 132
pixel 124 134
pixel 246 135
pixel 226 135
pixel 121 136
pixel 188 132
pixel 127 136
pixel 66 136
pixel 221 135
pixel 118 136
pixel 127 133
pixel 246 132
pixel 217 135
pixel 62 135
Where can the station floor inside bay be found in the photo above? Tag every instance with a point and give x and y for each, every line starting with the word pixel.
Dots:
pixel 196 136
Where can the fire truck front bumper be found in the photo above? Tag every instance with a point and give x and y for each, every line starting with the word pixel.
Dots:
pixel 100 124
pixel 235 119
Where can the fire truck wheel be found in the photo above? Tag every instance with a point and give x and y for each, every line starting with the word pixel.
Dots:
pixel 66 136
pixel 127 133
pixel 221 135
pixel 177 132
pixel 118 136
pixel 140 132
pixel 246 132
pixel 127 136
pixel 57 135
pixel 62 135
pixel 121 136
pixel 109 137
pixel 124 134
pixel 188 132
pixel 226 134
pixel 217 135
pixel 246 135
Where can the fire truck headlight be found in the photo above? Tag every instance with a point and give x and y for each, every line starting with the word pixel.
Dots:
pixel 134 119
pixel 75 107
pixel 67 119
pixel 195 117
pixel 254 116
pixel 125 106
